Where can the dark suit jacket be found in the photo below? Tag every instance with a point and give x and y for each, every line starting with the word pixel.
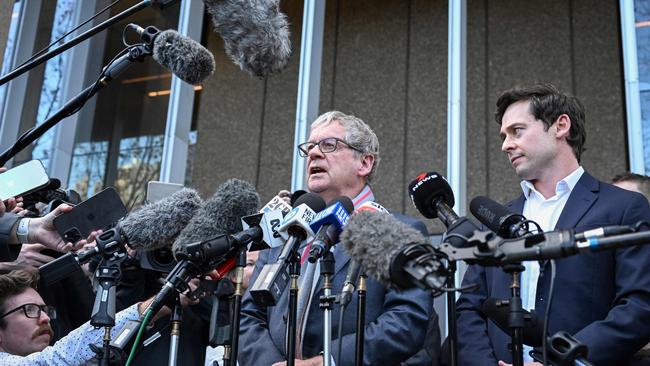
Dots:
pixel 8 252
pixel 396 322
pixel 603 298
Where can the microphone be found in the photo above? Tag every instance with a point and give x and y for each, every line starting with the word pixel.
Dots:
pixel 273 277
pixel 392 252
pixel 199 243
pixel 150 227
pixel 498 218
pixel 432 197
pixel 255 34
pixel 328 224
pixel 349 285
pixel 269 219
pixel 183 56
pixel 220 214
pixel 499 312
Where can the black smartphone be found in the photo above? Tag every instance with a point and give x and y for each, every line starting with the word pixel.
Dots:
pixel 23 179
pixel 100 211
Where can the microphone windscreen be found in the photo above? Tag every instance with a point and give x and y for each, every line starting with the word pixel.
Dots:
pixel 489 212
pixel 156 225
pixel 183 56
pixel 255 34
pixel 373 239
pixel 426 188
pixel 220 214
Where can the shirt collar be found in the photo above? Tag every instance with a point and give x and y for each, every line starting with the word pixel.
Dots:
pixel 564 185
pixel 366 195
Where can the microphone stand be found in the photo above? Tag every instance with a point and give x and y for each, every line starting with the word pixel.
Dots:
pixel 236 300
pixel 108 274
pixel 221 318
pixel 361 319
pixel 451 315
pixel 294 273
pixel 517 316
pixel 327 304
pixel 175 333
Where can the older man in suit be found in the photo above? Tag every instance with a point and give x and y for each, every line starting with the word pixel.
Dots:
pixel 342 155
pixel 603 298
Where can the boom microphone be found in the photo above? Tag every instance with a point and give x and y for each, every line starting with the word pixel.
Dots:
pixel 381 244
pixel 255 34
pixel 498 218
pixel 220 214
pixel 150 227
pixel 183 56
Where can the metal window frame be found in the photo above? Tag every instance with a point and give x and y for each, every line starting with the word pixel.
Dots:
pixel 632 90
pixel 181 104
pixel 309 76
pixel 16 89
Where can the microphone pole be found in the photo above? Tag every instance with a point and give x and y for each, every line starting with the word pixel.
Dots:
pixel 361 319
pixel 327 304
pixel 175 332
pixel 236 299
pixel 135 53
pixel 76 40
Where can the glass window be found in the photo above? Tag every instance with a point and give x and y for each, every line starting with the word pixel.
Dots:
pixel 119 143
pixel 9 48
pixel 642 19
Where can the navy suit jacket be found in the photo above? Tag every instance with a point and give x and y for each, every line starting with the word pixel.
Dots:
pixel 396 322
pixel 603 298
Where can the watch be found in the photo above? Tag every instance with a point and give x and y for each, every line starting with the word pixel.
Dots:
pixel 22 232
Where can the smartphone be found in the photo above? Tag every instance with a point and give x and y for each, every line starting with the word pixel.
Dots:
pixel 23 179
pixel 159 190
pixel 100 211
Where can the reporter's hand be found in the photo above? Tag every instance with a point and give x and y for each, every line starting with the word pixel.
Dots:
pixel 42 230
pixel 30 255
pixel 285 195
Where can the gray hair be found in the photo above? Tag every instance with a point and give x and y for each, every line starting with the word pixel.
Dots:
pixel 357 133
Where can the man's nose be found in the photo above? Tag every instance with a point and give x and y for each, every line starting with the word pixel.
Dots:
pixel 507 144
pixel 44 318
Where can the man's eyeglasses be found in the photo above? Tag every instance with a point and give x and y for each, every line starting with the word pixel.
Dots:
pixel 34 311
pixel 326 145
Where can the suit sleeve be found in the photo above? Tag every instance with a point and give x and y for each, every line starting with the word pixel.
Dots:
pixel 397 334
pixel 624 330
pixel 474 346
pixel 255 344
pixel 8 251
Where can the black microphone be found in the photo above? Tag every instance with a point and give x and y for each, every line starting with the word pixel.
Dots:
pixel 499 312
pixel 432 197
pixel 392 252
pixel 349 285
pixel 328 225
pixel 273 277
pixel 498 218
pixel 255 34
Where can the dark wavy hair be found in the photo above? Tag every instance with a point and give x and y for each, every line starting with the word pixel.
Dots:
pixel 14 280
pixel 547 104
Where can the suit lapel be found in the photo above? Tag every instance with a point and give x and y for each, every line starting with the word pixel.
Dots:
pixel 582 197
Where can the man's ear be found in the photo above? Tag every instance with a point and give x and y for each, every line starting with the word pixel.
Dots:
pixel 367 162
pixel 562 126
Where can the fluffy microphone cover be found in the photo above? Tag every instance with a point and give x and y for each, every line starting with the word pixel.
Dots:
pixel 221 213
pixel 183 56
pixel 255 34
pixel 374 238
pixel 157 224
